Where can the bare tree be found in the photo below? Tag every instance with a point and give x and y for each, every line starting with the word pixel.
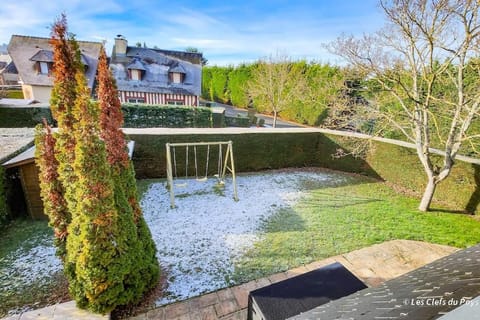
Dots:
pixel 275 84
pixel 426 79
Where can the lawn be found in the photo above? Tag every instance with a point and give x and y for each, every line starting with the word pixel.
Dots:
pixel 283 219
pixel 333 220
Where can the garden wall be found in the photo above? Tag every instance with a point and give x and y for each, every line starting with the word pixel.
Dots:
pixel 261 149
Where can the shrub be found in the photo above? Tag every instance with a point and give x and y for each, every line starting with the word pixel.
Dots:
pixel 15 117
pixel 151 116
pixel 238 121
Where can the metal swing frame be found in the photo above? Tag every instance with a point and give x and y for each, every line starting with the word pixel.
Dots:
pixel 228 164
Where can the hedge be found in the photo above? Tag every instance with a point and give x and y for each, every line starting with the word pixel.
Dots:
pixel 274 150
pixel 238 121
pixel 148 116
pixel 15 117
pixel 135 116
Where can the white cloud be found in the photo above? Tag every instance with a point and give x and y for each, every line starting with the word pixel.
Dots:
pixel 236 32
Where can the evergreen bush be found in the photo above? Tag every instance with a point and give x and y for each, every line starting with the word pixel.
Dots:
pixel 160 116
pixel 15 117
pixel 107 250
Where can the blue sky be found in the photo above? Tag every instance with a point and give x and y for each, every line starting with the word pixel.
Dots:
pixel 228 32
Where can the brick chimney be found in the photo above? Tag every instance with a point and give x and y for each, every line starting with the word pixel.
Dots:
pixel 120 48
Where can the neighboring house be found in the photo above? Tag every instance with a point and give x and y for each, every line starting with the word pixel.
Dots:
pixel 156 76
pixel 33 58
pixel 8 73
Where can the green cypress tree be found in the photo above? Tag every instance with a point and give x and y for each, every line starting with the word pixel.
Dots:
pixel 66 64
pixel 51 190
pixel 98 256
pixel 145 270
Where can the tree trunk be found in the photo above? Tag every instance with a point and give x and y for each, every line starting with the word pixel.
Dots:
pixel 428 195
pixel 274 119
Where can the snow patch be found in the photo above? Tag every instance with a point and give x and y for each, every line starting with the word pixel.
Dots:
pixel 199 240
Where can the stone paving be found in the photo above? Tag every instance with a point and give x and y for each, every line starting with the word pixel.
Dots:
pixel 373 265
pixel 62 311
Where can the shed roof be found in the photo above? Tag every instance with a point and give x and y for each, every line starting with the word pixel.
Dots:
pixel 14 140
pixel 28 156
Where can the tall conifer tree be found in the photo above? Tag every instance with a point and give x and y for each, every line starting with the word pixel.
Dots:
pixel 51 190
pixel 146 269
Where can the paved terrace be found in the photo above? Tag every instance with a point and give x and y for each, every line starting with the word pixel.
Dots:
pixel 373 265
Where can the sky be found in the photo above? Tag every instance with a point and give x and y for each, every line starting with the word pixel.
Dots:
pixel 227 32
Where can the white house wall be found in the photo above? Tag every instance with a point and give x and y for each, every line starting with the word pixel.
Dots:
pixel 157 98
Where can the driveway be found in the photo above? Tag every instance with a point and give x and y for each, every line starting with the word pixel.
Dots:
pixel 231 111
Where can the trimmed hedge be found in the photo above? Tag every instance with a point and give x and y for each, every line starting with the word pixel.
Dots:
pixel 135 116
pixel 238 121
pixel 160 116
pixel 266 150
pixel 15 117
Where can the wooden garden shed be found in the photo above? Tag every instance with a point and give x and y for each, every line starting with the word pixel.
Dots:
pixel 28 172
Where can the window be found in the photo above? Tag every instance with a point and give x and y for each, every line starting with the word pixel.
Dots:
pixel 177 77
pixel 136 100
pixel 175 102
pixel 43 67
pixel 136 74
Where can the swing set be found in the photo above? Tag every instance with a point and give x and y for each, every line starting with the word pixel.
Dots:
pixel 224 163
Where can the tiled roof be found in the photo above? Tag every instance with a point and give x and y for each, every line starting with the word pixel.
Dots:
pixel 136 65
pixel 23 49
pixel 178 68
pixel 10 68
pixel 43 55
pixel 425 293
pixel 157 66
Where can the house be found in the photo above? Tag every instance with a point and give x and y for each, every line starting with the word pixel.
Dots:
pixel 33 59
pixel 156 76
pixel 8 73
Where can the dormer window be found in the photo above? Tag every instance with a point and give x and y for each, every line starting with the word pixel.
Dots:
pixel 136 74
pixel 177 74
pixel 43 67
pixel 177 77
pixel 136 70
pixel 43 61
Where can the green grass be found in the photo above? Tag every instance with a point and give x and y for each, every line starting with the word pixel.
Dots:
pixel 15 94
pixel 334 220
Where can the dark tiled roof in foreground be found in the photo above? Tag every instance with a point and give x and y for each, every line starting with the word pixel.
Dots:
pixel 426 293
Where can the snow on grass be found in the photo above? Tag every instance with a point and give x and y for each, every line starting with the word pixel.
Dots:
pixel 24 267
pixel 199 240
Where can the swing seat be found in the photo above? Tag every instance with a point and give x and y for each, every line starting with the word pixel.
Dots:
pixel 204 179
pixel 181 185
